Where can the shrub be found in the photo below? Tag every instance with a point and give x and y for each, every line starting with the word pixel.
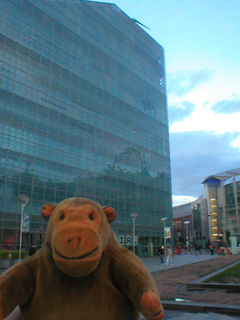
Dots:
pixel 4 255
pixel 24 254
pixel 15 255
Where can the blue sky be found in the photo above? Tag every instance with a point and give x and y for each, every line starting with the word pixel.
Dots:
pixel 202 53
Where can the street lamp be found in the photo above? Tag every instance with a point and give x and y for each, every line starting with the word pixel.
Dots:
pixel 25 199
pixel 186 222
pixel 133 216
pixel 165 249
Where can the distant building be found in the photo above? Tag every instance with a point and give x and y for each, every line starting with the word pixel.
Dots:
pixel 181 213
pixel 83 113
pixel 195 213
pixel 222 193
pixel 213 213
pixel 200 222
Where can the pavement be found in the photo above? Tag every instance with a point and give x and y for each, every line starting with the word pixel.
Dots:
pixel 184 309
pixel 153 263
pixel 183 315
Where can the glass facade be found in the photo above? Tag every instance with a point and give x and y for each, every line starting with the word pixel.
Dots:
pixel 83 113
pixel 223 205
pixel 212 192
pixel 232 220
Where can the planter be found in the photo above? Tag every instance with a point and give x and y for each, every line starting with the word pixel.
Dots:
pixel 14 261
pixel 4 264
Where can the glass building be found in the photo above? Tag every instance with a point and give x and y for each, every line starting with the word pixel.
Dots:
pixel 83 113
pixel 222 192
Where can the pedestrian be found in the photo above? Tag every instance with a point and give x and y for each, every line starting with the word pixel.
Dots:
pixel 161 253
pixel 169 256
pixel 32 249
pixel 212 249
pixel 196 249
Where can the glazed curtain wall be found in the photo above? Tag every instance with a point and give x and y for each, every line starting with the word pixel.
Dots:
pixel 83 113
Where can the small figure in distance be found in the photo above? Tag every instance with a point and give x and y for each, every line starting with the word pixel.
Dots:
pixel 161 253
pixel 196 249
pixel 212 249
pixel 32 249
pixel 169 256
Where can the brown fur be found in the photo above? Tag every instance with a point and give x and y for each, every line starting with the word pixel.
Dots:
pixel 81 273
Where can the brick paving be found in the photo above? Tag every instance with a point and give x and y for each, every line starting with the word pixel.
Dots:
pixel 172 282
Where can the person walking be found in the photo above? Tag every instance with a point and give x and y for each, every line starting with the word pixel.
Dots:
pixel 169 256
pixel 196 249
pixel 212 249
pixel 32 250
pixel 161 253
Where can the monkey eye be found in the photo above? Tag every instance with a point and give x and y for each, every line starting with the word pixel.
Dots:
pixel 91 217
pixel 62 216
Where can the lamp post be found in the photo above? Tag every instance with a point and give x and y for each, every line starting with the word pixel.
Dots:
pixel 186 222
pixel 133 216
pixel 165 249
pixel 24 198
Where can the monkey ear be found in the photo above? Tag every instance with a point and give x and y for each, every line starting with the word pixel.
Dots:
pixel 47 210
pixel 110 214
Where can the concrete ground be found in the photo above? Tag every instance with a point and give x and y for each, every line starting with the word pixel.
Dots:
pixel 172 284
pixel 153 263
pixel 183 315
pixel 183 303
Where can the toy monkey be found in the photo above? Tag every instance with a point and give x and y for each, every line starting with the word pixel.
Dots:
pixel 81 273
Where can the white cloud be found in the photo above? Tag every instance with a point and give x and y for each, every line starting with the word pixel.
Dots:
pixel 236 143
pixel 217 108
pixel 185 81
pixel 178 200
pixel 204 119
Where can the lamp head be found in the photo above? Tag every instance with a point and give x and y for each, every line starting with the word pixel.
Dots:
pixel 133 215
pixel 23 197
pixel 164 219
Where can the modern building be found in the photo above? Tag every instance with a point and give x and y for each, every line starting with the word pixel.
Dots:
pixel 214 214
pixel 83 113
pixel 196 231
pixel 222 193
pixel 200 222
pixel 181 231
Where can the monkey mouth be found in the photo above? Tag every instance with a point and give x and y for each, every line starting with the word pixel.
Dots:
pixel 75 258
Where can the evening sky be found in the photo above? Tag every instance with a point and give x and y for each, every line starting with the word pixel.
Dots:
pixel 202 55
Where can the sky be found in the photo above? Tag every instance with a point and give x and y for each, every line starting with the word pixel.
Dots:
pixel 201 39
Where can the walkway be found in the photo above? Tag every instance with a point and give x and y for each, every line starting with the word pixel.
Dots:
pixel 183 315
pixel 153 265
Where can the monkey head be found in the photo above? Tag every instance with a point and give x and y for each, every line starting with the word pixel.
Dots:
pixel 77 233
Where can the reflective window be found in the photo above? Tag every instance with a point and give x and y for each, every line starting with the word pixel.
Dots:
pixel 83 113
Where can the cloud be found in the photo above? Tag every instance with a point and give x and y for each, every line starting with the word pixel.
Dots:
pixel 178 200
pixel 236 143
pixel 196 155
pixel 180 111
pixel 185 81
pixel 204 119
pixel 227 106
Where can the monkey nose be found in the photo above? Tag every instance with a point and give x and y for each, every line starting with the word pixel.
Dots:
pixel 74 245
